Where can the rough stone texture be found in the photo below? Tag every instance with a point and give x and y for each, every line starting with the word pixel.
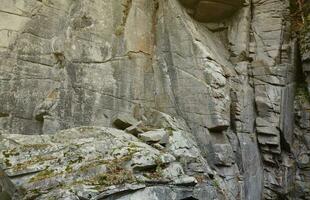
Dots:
pixel 93 162
pixel 211 99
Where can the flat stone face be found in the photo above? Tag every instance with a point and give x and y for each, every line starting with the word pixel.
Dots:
pixel 212 10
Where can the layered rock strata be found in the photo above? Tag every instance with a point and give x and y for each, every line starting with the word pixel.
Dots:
pixel 185 99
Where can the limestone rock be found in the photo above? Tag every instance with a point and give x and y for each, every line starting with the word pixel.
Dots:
pixel 123 121
pixel 90 161
pixel 135 129
pixel 225 81
pixel 161 136
pixel 223 154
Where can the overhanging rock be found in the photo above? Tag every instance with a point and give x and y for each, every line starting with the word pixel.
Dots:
pixel 212 10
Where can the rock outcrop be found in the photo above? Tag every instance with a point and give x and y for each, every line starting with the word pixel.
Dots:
pixel 94 163
pixel 154 99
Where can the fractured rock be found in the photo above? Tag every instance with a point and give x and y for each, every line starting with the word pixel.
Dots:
pixel 123 121
pixel 160 136
pixel 84 157
pixel 223 154
pixel 135 129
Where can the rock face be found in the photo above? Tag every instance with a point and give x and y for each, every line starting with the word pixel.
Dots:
pixel 94 163
pixel 154 99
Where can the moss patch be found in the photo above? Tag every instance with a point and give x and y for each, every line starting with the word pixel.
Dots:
pixel 47 173
pixel 34 160
pixel 34 147
pixel 7 163
pixel 116 173
pixel 10 152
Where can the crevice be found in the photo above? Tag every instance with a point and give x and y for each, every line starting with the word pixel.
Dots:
pixel 154 21
pixel 11 13
pixel 121 27
pixel 3 114
pixel 233 110
pixel 189 198
pixel 301 83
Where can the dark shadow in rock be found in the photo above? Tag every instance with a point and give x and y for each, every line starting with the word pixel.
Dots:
pixel 212 10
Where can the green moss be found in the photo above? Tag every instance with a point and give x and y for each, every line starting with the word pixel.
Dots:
pixel 73 160
pixel 120 161
pixel 115 175
pixel 34 146
pixel 158 172
pixel 7 163
pixel 91 165
pixel 43 175
pixel 69 169
pixel 10 152
pixel 132 149
pixel 169 130
pixel 215 183
pixel 33 161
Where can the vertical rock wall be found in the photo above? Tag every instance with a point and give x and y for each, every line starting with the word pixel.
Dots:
pixel 231 78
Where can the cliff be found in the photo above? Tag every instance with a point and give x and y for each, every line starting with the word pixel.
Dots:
pixel 154 99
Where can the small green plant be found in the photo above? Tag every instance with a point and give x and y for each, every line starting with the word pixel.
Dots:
pixel 215 183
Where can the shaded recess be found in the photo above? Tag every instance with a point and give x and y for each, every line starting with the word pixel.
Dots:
pixel 212 10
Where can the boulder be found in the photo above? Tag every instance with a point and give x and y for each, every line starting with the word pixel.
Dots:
pixel 123 121
pixel 160 136
pixel 135 129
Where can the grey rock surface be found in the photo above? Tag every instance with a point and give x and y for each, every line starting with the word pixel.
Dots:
pixel 154 99
pixel 90 163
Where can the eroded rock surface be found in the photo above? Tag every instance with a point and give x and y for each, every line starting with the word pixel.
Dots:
pixel 196 99
pixel 94 163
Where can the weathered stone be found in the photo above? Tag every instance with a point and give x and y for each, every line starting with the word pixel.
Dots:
pixel 85 156
pixel 160 136
pixel 232 95
pixel 252 166
pixel 134 129
pixel 186 181
pixel 115 190
pixel 223 154
pixel 124 121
